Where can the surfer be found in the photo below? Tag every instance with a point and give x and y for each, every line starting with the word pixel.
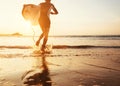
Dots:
pixel 46 8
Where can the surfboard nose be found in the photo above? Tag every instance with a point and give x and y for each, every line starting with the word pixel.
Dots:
pixel 31 13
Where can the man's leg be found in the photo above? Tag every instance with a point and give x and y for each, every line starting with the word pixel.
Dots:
pixel 45 38
pixel 38 41
pixel 44 42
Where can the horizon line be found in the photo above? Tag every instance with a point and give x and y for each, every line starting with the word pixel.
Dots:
pixel 70 35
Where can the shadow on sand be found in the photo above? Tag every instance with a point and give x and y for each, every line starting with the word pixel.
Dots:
pixel 38 77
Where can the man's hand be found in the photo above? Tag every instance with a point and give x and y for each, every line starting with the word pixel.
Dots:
pixel 52 13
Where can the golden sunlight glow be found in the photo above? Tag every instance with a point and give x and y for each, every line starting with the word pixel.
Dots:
pixel 93 17
pixel 27 24
pixel 27 27
pixel 14 63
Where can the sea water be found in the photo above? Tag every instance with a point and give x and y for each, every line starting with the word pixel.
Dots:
pixel 22 46
pixel 16 55
pixel 63 40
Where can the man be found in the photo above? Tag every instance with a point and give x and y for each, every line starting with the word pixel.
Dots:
pixel 46 8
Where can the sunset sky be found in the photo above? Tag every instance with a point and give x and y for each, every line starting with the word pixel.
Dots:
pixel 76 17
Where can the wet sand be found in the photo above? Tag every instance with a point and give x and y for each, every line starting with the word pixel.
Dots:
pixel 68 67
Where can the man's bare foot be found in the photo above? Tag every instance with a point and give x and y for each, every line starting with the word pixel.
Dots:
pixel 43 48
pixel 37 43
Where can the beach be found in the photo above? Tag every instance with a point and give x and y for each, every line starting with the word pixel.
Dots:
pixel 73 65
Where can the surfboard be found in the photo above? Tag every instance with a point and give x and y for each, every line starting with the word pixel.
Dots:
pixel 47 50
pixel 31 13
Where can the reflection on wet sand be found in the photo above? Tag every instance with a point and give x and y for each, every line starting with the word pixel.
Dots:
pixel 38 76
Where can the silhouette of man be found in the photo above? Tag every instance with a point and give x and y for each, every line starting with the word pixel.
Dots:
pixel 46 8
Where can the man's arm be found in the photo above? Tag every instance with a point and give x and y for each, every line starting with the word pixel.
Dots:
pixel 54 10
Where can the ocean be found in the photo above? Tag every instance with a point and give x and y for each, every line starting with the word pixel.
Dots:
pixel 101 41
pixel 74 61
pixel 14 46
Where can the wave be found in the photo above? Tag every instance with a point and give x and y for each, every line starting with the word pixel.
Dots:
pixel 61 47
pixel 16 47
pixel 84 46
